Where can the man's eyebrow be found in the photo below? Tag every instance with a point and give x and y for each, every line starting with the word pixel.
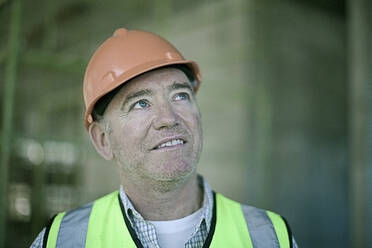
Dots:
pixel 145 92
pixel 180 85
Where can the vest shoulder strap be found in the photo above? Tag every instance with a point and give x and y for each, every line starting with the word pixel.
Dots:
pixel 266 229
pixel 106 220
pixel 91 225
pixel 69 229
pixel 231 229
pixel 54 229
pixel 280 229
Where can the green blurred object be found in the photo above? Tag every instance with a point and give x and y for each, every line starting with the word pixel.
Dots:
pixel 7 118
pixel 360 119
pixel 2 2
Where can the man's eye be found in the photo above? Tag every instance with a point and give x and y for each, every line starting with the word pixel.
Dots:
pixel 140 104
pixel 181 96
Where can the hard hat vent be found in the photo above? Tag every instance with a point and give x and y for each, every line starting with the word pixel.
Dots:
pixel 120 31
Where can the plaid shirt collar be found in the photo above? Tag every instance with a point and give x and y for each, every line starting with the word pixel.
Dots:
pixel 207 207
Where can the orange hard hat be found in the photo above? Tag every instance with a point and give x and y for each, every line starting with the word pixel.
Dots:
pixel 125 55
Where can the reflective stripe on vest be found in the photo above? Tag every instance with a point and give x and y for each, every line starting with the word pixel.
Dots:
pixel 233 225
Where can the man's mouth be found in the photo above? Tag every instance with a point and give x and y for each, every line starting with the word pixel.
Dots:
pixel 170 143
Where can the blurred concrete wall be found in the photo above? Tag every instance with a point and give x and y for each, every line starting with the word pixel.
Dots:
pixel 302 74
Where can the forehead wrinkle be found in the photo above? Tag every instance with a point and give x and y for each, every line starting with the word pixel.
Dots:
pixel 136 94
pixel 180 85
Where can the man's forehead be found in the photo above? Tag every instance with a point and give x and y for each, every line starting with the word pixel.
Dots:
pixel 162 77
pixel 159 79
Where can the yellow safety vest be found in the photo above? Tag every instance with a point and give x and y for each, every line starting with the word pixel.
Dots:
pixel 104 223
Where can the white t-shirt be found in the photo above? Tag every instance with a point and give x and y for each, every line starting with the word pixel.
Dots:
pixel 175 233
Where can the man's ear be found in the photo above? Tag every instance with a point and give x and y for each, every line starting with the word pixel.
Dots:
pixel 100 140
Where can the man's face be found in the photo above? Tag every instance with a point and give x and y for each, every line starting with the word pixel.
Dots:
pixel 154 126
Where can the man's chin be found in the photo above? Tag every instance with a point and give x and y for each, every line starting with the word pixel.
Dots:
pixel 172 176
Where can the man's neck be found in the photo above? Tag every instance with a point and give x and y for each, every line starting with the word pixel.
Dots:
pixel 162 201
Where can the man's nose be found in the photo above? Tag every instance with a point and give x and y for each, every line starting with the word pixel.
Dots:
pixel 165 117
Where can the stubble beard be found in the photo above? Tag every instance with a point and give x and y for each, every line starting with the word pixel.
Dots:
pixel 137 175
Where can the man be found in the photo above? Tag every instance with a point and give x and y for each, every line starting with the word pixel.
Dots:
pixel 141 112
